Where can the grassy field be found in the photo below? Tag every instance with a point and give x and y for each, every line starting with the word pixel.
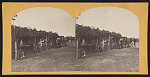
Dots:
pixel 63 59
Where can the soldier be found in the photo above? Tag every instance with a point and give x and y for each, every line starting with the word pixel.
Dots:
pixel 97 48
pixel 21 52
pixel 50 44
pixel 82 52
pixel 134 42
pixel 100 46
pixel 69 42
pixel 41 45
pixel 103 44
pixel 46 44
pixel 35 47
pixel 58 43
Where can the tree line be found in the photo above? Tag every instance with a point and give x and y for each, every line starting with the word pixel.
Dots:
pixel 27 34
pixel 89 33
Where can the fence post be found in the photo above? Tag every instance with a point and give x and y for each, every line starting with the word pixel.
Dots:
pixel 77 50
pixel 108 43
pixel 16 52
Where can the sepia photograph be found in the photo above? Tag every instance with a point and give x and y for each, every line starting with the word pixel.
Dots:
pixel 52 38
pixel 43 40
pixel 107 40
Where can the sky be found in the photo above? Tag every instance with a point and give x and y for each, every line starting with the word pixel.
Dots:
pixel 113 19
pixel 48 19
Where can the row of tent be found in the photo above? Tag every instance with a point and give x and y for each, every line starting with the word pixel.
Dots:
pixel 101 40
pixel 35 41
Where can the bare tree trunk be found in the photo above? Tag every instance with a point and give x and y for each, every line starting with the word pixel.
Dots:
pixel 109 43
pixel 77 50
pixel 97 40
pixel 16 52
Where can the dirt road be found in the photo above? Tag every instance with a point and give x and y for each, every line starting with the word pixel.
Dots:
pixel 63 59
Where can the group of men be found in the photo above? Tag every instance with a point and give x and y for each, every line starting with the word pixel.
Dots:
pixel 41 45
pixel 106 44
pixel 48 44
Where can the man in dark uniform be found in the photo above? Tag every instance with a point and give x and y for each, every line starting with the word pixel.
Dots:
pixel 82 52
pixel 134 42
pixel 21 52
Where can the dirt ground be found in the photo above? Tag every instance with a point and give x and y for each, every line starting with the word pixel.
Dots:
pixel 63 59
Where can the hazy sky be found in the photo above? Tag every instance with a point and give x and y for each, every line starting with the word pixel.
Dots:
pixel 47 18
pixel 111 19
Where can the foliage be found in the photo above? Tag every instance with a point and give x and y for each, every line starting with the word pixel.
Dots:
pixel 28 34
pixel 90 33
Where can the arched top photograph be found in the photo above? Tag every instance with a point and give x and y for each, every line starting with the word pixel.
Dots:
pixel 41 30
pixel 82 38
pixel 106 34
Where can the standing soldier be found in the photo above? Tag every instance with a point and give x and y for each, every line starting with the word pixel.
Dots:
pixel 51 43
pixel 134 42
pixel 97 48
pixel 103 45
pixel 69 42
pixel 35 46
pixel 120 44
pixel 100 46
pixel 82 53
pixel 40 45
pixel 21 52
pixel 110 43
pixel 46 43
